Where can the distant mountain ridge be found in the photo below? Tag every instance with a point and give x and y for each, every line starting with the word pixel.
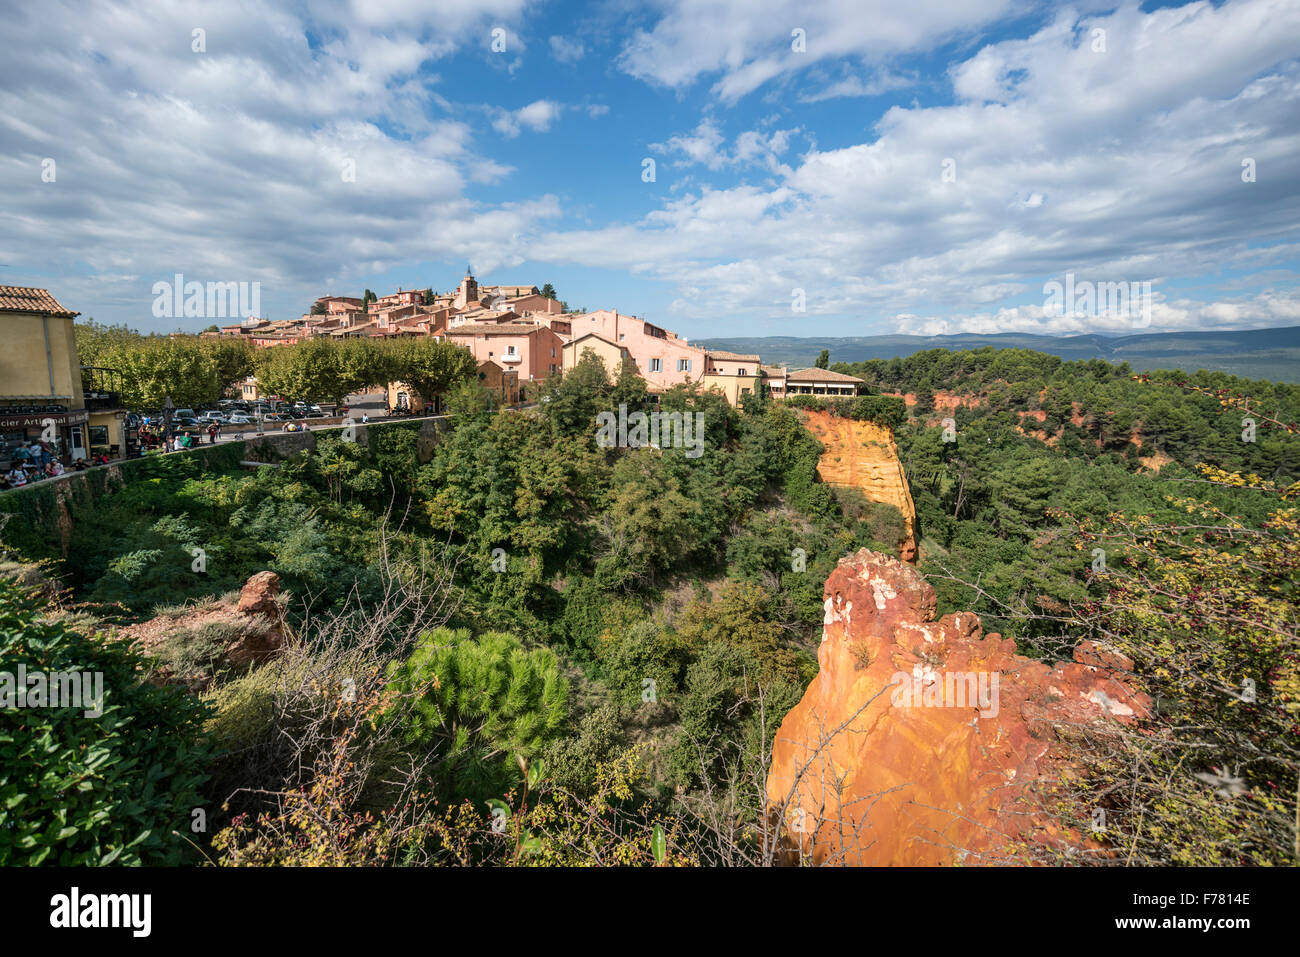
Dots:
pixel 1272 354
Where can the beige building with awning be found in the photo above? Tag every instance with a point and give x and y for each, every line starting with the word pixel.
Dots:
pixel 41 396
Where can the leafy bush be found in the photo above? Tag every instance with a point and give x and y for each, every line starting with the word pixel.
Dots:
pixel 114 789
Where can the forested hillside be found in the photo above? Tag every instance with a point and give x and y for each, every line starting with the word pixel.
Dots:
pixel 591 647
pixel 1251 353
pixel 1033 433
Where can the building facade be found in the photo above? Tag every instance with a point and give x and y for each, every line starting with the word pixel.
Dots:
pixel 42 393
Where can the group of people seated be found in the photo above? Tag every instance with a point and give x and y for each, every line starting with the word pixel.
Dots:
pixel 155 439
pixel 31 463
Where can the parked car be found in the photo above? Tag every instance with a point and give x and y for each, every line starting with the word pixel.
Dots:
pixel 212 416
pixel 237 418
pixel 183 414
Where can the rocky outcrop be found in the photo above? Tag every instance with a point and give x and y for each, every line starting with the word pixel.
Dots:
pixel 924 742
pixel 258 596
pixel 863 455
pixel 213 637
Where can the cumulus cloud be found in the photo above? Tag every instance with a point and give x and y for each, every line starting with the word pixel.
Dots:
pixel 536 116
pixel 1265 309
pixel 705 146
pixel 266 157
pixel 1124 165
pixel 746 43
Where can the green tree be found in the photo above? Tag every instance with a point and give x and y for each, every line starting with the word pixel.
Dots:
pixel 481 704
pixel 823 359
pixel 184 367
pixel 430 366
pixel 94 339
pixel 649 524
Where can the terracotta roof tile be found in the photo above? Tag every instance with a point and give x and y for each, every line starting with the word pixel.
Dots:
pixel 494 328
pixel 820 375
pixel 28 299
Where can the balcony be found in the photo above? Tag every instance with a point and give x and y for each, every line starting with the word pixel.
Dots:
pixel 101 388
pixel 103 401
pixel 512 357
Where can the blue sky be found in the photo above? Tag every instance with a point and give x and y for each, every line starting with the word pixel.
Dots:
pixel 925 167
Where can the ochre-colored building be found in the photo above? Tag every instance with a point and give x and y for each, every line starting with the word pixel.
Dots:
pixel 611 353
pixel 501 382
pixel 732 374
pixel 41 383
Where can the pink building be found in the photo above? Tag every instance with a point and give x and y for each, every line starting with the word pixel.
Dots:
pixel 661 357
pixel 534 302
pixel 336 305
pixel 530 348
pixel 409 297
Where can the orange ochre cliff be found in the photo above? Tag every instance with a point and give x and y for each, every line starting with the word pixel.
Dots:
pixel 924 742
pixel 863 455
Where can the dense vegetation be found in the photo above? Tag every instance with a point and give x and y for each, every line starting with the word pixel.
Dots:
pixel 195 370
pixel 1035 434
pixel 533 648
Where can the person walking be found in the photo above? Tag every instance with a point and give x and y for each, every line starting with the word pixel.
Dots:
pixel 212 435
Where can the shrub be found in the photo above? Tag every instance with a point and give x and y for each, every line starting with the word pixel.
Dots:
pixel 482 703
pixel 114 789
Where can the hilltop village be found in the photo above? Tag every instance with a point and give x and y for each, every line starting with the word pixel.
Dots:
pixel 517 334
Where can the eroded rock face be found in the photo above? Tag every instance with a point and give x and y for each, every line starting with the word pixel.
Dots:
pixel 924 742
pixel 863 455
pixel 258 595
pixel 248 631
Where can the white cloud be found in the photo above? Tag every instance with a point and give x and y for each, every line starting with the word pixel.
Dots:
pixel 229 164
pixel 851 86
pixel 536 116
pixel 1125 166
pixel 1262 310
pixel 567 51
pixel 705 146
pixel 749 42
